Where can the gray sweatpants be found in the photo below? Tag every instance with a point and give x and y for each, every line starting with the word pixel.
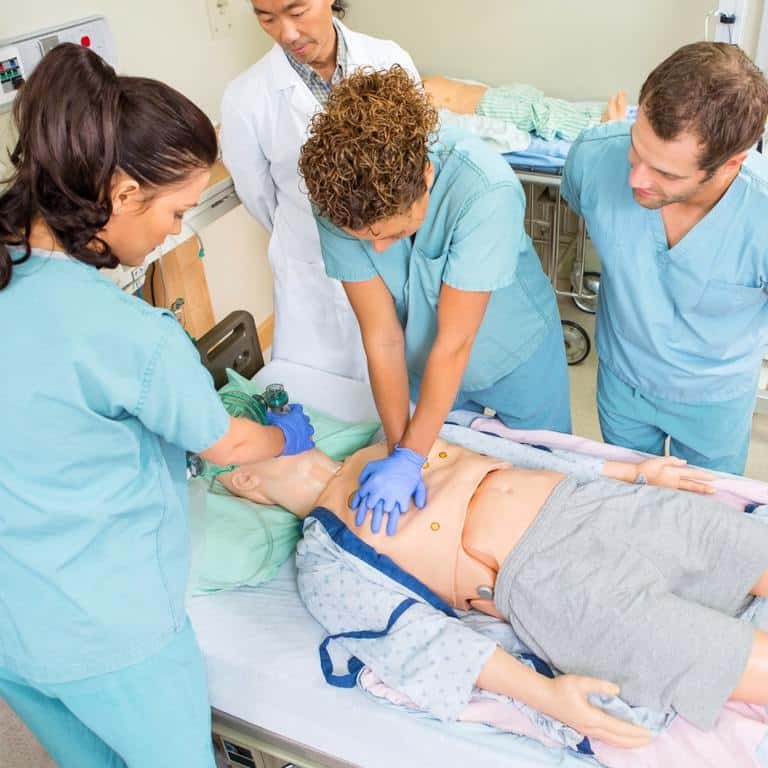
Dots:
pixel 639 586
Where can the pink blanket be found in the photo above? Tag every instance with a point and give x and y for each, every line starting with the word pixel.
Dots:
pixel 732 490
pixel 732 743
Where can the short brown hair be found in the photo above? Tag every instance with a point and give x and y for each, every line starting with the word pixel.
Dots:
pixel 365 158
pixel 712 90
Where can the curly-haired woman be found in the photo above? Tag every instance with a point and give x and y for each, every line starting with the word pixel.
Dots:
pixel 425 231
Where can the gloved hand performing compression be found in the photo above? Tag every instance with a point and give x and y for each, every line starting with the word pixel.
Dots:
pixel 387 486
pixel 296 427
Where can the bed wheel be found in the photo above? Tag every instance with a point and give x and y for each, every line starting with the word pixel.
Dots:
pixel 577 344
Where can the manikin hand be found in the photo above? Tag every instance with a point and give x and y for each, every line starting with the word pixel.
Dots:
pixel 568 702
pixel 616 109
pixel 671 472
pixel 387 485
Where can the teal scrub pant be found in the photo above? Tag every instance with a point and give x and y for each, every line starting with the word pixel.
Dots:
pixel 709 435
pixel 536 395
pixel 149 715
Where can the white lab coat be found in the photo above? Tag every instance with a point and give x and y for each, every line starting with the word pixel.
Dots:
pixel 265 116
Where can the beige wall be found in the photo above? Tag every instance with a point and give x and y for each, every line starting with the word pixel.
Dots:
pixel 568 48
pixel 170 40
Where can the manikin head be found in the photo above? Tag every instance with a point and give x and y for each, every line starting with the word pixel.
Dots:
pixel 366 164
pixel 294 482
pixel 303 28
pixel 700 112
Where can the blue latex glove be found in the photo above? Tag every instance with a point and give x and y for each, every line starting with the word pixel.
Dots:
pixel 296 427
pixel 387 485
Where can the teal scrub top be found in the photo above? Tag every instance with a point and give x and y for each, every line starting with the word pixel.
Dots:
pixel 99 398
pixel 685 324
pixel 473 239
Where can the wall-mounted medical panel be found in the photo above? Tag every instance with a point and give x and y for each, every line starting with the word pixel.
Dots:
pixel 21 54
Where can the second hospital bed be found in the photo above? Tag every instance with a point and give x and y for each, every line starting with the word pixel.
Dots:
pixel 267 690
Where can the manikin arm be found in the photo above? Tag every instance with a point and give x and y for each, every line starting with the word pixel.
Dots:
pixel 663 471
pixel 564 698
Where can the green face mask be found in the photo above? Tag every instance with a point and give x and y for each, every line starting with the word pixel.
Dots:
pixel 240 402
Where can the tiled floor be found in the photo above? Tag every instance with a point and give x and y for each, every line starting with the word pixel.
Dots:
pixel 19 750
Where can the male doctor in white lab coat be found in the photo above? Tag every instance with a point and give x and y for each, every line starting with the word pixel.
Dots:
pixel 265 117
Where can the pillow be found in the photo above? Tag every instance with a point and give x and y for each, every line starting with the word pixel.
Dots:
pixel 235 542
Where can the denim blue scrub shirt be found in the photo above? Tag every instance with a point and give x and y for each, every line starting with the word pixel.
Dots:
pixel 689 323
pixel 100 396
pixel 473 239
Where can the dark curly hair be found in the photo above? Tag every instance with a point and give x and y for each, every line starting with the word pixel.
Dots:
pixel 712 90
pixel 366 154
pixel 78 123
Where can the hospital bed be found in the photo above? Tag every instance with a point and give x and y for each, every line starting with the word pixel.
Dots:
pixel 261 648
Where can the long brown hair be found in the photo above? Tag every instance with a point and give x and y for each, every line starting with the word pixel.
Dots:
pixel 712 90
pixel 78 123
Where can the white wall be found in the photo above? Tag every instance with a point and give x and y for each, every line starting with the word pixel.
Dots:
pixel 170 40
pixel 762 41
pixel 568 48
pixel 166 39
pixel 754 19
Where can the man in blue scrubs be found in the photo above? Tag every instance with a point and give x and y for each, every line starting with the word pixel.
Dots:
pixel 677 206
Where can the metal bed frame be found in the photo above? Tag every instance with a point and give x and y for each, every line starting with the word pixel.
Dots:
pixel 575 336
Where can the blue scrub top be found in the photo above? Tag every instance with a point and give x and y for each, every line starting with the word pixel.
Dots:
pixel 473 239
pixel 686 324
pixel 99 398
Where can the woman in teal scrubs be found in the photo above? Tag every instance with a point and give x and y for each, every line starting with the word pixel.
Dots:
pixel 426 233
pixel 100 396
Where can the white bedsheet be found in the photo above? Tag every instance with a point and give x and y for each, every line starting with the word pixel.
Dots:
pixel 261 651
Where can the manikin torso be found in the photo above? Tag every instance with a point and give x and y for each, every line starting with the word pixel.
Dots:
pixel 478 508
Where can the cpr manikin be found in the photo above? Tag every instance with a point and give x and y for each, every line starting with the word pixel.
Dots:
pixel 550 555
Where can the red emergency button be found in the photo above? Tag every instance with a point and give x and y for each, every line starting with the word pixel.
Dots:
pixel 86 41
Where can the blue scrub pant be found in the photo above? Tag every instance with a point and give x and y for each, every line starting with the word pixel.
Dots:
pixel 710 435
pixel 536 395
pixel 149 715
